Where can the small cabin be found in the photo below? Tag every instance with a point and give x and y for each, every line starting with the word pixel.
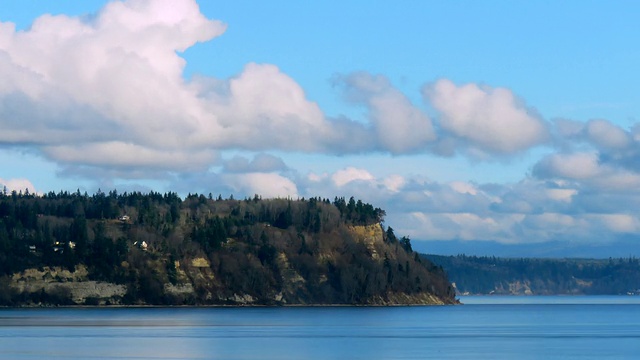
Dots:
pixel 58 246
pixel 141 245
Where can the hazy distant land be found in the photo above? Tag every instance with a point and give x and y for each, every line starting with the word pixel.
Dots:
pixel 537 276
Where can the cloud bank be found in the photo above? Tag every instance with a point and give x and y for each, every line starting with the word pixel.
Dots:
pixel 109 91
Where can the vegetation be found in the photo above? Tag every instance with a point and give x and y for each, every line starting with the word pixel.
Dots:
pixel 491 275
pixel 204 250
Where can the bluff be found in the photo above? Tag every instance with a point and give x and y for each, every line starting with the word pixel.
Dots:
pixel 159 249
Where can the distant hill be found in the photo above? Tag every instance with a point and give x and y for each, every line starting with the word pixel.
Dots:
pixel 535 276
pixel 158 249
pixel 623 246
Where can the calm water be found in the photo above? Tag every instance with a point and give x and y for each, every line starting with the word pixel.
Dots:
pixel 484 328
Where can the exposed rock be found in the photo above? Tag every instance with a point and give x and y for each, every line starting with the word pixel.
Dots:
pixel 179 289
pixel 370 235
pixel 58 281
pixel 200 263
pixel 245 299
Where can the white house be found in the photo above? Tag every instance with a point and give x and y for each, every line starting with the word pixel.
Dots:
pixel 141 244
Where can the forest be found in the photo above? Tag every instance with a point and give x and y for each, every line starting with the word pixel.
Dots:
pixel 534 276
pixel 160 249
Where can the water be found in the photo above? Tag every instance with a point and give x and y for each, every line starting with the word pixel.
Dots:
pixel 484 328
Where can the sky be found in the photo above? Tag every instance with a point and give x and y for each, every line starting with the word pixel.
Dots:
pixel 469 122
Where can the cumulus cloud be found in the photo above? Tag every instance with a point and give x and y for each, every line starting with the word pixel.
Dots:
pixel 356 182
pixel 564 195
pixel 532 210
pixel 458 226
pixel 126 155
pixel 570 166
pixel 263 108
pixel 109 91
pixel 345 176
pixel 616 149
pixel 394 183
pixel 463 187
pixel 400 126
pixel 606 135
pixel 104 82
pixel 268 185
pixel 589 169
pixel 492 120
pixel 619 223
pixel 83 90
pixel 17 185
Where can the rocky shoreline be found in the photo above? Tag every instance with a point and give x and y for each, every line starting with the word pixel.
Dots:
pixel 62 288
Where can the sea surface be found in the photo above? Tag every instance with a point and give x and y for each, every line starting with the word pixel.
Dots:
pixel 489 327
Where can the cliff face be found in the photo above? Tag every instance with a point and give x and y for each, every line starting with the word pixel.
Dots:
pixel 208 252
pixel 358 268
pixel 61 285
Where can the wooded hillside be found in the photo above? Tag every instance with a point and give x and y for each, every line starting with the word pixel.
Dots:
pixel 134 248
pixel 532 276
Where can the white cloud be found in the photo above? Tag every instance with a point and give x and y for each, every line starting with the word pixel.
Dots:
pixel 619 223
pixel 91 91
pixel 313 177
pixel 606 135
pixel 463 187
pixel 564 195
pixel 578 166
pixel 492 119
pixel 263 108
pixel 459 226
pixel 126 155
pixel 399 125
pixel 84 89
pixel 268 185
pixel 587 169
pixel 517 228
pixel 345 176
pixel 618 180
pixel 554 221
pixel 117 74
pixel 394 183
pixel 17 185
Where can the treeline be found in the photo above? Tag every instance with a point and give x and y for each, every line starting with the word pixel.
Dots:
pixel 227 250
pixel 491 275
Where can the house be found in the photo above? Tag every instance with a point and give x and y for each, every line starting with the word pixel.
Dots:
pixel 141 245
pixel 124 218
pixel 59 246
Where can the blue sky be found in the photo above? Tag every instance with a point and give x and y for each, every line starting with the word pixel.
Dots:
pixel 501 121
